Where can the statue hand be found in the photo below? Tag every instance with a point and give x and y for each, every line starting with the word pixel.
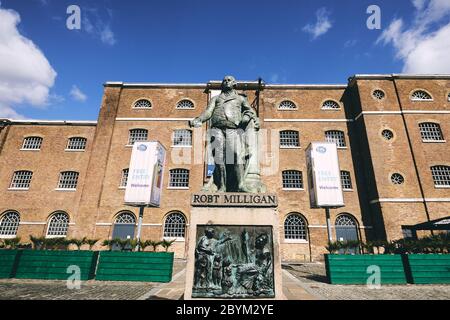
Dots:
pixel 196 123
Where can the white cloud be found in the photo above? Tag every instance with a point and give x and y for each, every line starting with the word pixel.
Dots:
pixel 322 25
pixel 424 45
pixel 96 26
pixel 77 94
pixel 26 76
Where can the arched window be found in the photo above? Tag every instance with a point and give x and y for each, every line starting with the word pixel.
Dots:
pixel 179 178
pixel 346 228
pixel 330 105
pixel 185 104
pixel 58 225
pixel 431 131
pixel 287 105
pixel 142 104
pixel 441 176
pixel 421 95
pixel 76 143
pixel 124 226
pixel 21 179
pixel 9 223
pixel 335 136
pixel 175 225
pixel 289 139
pixel 295 227
pixel 137 135
pixel 32 143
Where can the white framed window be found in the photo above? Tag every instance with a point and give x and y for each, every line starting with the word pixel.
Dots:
pixel 330 105
pixel 175 225
pixel 124 178
pixel 421 95
pixel 387 134
pixel 441 176
pixel 431 131
pixel 142 104
pixel 295 227
pixel 289 139
pixel 378 94
pixel 182 138
pixel 185 104
pixel 125 218
pixel 68 180
pixel 346 180
pixel 397 178
pixel 292 179
pixel 287 105
pixel 76 143
pixel 345 220
pixel 335 136
pixel 58 225
pixel 137 135
pixel 21 180
pixel 179 178
pixel 32 143
pixel 9 223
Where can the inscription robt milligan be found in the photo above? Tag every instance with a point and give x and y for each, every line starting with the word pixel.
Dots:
pixel 234 200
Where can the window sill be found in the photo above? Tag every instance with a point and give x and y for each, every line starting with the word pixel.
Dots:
pixel 18 189
pixel 173 146
pixel 176 239
pixel 347 190
pixel 8 236
pixel 64 189
pixel 290 147
pixel 297 241
pixel 122 188
pixel 74 150
pixel 434 141
pixel 53 237
pixel 422 100
pixel 330 109
pixel 343 148
pixel 293 189
pixel 178 188
pixel 442 187
pixel 21 149
pixel 296 109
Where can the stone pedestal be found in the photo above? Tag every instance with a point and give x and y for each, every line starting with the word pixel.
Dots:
pixel 250 227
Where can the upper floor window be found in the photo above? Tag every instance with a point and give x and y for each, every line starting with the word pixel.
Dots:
pixel 32 143
pixel 431 131
pixel 387 134
pixel 295 227
pixel 287 105
pixel 330 105
pixel 9 223
pixel 378 94
pixel 420 95
pixel 448 96
pixel 21 179
pixel 124 178
pixel 335 136
pixel 76 143
pixel 441 175
pixel 179 178
pixel 58 225
pixel 185 104
pixel 289 139
pixel 292 179
pixel 137 135
pixel 68 180
pixel 346 180
pixel 182 137
pixel 397 178
pixel 175 225
pixel 142 104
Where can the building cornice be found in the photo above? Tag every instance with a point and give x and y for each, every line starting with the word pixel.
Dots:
pixel 394 76
pixel 50 122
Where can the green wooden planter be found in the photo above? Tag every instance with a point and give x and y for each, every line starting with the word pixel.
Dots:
pixel 135 266
pixel 8 262
pixel 428 268
pixel 352 269
pixel 48 264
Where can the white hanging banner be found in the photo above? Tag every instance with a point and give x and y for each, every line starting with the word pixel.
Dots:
pixel 324 175
pixel 145 174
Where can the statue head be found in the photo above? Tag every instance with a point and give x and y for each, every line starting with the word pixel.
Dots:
pixel 228 83
pixel 209 232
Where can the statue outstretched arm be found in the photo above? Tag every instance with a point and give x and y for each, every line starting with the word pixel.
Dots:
pixel 205 116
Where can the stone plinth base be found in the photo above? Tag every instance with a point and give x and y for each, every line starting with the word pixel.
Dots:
pixel 249 221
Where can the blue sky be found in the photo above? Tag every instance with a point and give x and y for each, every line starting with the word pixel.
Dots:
pixel 198 41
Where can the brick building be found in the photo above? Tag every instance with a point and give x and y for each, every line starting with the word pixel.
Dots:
pixel 67 178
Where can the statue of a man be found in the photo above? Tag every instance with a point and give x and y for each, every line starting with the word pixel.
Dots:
pixel 231 117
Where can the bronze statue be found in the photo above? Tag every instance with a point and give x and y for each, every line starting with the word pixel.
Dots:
pixel 234 127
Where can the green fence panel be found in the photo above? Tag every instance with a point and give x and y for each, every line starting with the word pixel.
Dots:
pixel 8 261
pixel 352 269
pixel 49 264
pixel 429 268
pixel 135 266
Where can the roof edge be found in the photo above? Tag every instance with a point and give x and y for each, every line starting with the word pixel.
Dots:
pixel 48 122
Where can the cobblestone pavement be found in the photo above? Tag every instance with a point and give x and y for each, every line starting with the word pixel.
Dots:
pixel 29 289
pixel 313 278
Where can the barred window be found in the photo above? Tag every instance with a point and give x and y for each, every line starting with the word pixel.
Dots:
pixel 68 180
pixel 346 180
pixel 387 134
pixel 430 131
pixel 292 179
pixel 58 225
pixel 137 135
pixel 21 179
pixel 448 96
pixel 289 139
pixel 344 220
pixel 125 218
pixel 182 137
pixel 32 143
pixel 420 95
pixel 397 178
pixel 179 178
pixel 76 143
pixel 175 225
pixel 330 104
pixel 9 224
pixel 335 136
pixel 378 94
pixel 124 178
pixel 287 105
pixel 295 227
pixel 143 104
pixel 185 104
pixel 441 175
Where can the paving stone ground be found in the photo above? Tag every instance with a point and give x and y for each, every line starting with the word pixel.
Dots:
pixel 313 278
